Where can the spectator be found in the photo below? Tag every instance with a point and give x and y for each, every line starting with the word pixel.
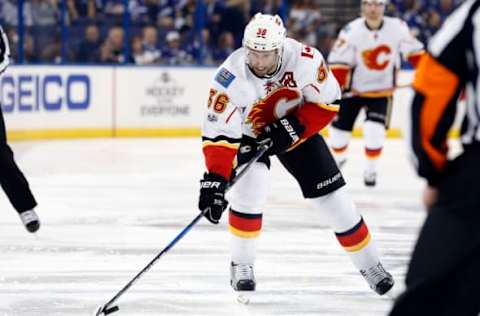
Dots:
pixel 226 46
pixel 114 11
pixel 234 17
pixel 138 52
pixel 150 53
pixel 44 12
pixel 89 49
pixel 173 54
pixel 9 13
pixel 112 49
pixel 81 10
pixel 44 29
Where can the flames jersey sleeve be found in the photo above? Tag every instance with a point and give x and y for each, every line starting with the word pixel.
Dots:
pixel 342 57
pixel 320 91
pixel 410 48
pixel 222 124
pixel 366 60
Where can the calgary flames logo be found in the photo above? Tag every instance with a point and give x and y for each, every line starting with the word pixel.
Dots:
pixel 371 57
pixel 274 105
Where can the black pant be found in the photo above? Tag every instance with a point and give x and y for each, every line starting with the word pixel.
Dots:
pixel 311 164
pixel 377 110
pixel 12 179
pixel 444 273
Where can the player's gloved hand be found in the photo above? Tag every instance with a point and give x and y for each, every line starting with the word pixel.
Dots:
pixel 281 134
pixel 212 196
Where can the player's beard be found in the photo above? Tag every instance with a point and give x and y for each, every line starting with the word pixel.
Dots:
pixel 267 72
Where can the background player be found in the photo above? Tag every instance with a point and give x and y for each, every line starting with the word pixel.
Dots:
pixel 364 60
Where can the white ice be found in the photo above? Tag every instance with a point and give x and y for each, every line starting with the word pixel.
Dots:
pixel 108 206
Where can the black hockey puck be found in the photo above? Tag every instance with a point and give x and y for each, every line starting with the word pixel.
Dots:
pixel 112 309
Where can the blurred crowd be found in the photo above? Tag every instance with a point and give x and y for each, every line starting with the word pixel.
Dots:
pixel 176 32
pixel 423 16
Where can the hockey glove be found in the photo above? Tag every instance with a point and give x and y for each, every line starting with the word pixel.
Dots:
pixel 281 134
pixel 212 196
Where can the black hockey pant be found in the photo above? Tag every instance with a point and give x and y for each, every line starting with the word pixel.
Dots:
pixel 12 179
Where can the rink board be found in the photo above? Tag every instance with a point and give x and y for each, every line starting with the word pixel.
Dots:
pixel 105 101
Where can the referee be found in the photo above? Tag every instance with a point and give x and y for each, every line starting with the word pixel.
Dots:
pixel 12 180
pixel 443 276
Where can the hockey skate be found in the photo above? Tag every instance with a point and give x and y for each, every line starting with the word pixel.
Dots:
pixel 242 277
pixel 30 220
pixel 379 280
pixel 370 178
pixel 242 281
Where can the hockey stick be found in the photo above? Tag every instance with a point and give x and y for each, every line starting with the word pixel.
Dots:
pixel 355 93
pixel 107 308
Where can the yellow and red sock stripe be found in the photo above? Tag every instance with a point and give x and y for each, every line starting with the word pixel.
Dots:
pixel 355 238
pixel 373 153
pixel 244 225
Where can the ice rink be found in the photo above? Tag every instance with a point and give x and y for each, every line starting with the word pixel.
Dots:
pixel 108 206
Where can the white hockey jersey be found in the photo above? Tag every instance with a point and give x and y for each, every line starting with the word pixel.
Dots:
pixel 4 51
pixel 240 103
pixel 367 59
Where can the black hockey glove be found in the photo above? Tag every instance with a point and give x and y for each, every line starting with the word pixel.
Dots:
pixel 212 196
pixel 281 134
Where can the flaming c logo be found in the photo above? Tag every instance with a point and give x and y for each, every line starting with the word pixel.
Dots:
pixel 275 104
pixel 371 57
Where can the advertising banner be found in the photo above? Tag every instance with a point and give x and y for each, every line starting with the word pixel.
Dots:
pixel 56 98
pixel 160 99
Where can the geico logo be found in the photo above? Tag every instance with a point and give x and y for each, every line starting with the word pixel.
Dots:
pixel 49 92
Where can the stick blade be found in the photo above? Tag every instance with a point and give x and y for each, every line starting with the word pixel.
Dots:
pixel 98 311
pixel 102 311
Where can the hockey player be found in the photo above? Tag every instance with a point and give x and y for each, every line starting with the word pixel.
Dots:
pixel 277 90
pixel 12 179
pixel 364 61
pixel 443 276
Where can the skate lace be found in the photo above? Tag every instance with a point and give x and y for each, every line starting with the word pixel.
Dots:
pixel 243 272
pixel 374 274
pixel 28 216
pixel 370 176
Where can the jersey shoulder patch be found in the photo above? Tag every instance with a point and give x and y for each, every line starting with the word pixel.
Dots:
pixel 224 77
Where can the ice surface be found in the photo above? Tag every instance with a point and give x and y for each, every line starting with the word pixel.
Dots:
pixel 108 206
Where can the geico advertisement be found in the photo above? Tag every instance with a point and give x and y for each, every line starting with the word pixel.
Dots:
pixel 56 97
pixel 161 97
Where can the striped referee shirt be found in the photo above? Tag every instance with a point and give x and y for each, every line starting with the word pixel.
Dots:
pixel 450 66
pixel 4 51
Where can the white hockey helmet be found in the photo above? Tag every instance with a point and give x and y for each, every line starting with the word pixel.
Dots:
pixel 264 32
pixel 375 1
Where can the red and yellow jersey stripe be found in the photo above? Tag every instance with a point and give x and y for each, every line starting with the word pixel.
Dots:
pixel 219 154
pixel 342 73
pixel 315 116
pixel 414 58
